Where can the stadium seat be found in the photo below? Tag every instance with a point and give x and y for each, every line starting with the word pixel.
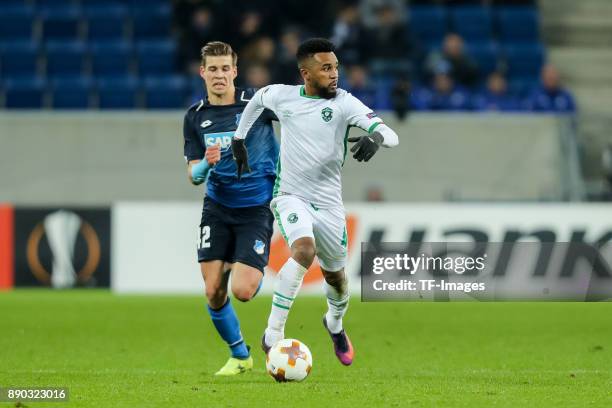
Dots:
pixel 16 23
pixel 61 24
pixel 521 87
pixel 138 7
pixel 196 89
pixel 428 24
pixel 65 59
pixel 106 22
pixel 486 55
pixel 473 23
pixel 19 59
pixel 71 93
pixel 117 93
pixel 166 93
pixel 156 57
pixel 103 3
pixel 518 24
pixel 151 22
pixel 7 4
pixel 383 86
pixel 24 93
pixel 110 58
pixel 524 61
pixel 49 4
pixel 16 6
pixel 139 3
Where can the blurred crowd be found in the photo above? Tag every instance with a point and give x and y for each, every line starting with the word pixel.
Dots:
pixel 453 83
pixel 371 37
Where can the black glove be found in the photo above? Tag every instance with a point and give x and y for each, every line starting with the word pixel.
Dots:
pixel 241 157
pixel 366 145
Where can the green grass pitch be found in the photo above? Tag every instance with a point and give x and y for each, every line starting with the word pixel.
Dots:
pixel 162 351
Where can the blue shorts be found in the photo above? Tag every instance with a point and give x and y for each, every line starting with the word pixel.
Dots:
pixel 235 234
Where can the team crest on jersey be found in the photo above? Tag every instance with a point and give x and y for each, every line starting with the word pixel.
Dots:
pixel 292 218
pixel 238 115
pixel 259 247
pixel 327 114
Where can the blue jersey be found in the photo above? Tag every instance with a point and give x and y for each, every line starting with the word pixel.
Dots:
pixel 207 125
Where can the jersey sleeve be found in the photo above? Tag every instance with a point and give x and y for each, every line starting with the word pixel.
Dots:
pixel 192 149
pixel 268 96
pixel 263 99
pixel 359 115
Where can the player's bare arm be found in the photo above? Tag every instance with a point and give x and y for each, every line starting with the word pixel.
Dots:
pixel 211 157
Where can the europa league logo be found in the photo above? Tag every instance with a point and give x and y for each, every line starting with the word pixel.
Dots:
pixel 62 229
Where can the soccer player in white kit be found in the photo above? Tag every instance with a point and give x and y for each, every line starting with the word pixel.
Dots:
pixel 307 204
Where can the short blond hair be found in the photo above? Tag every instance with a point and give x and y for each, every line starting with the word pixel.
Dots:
pixel 216 49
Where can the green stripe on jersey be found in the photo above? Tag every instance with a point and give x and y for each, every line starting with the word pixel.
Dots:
pixel 348 128
pixel 303 93
pixel 278 177
pixel 371 129
pixel 280 224
pixel 344 238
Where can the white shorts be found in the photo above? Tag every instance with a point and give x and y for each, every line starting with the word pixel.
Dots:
pixel 298 218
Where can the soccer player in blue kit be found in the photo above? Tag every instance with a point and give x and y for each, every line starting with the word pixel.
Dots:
pixel 236 225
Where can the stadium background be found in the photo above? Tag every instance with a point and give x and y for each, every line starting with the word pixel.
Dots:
pixel 94 193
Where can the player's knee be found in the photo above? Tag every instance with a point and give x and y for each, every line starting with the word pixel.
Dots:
pixel 336 279
pixel 244 294
pixel 246 290
pixel 303 251
pixel 216 296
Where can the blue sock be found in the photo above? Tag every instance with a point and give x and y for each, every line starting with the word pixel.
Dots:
pixel 226 323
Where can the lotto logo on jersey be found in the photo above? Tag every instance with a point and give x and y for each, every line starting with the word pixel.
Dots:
pixel 222 138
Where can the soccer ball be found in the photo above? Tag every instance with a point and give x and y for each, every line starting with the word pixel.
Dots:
pixel 289 360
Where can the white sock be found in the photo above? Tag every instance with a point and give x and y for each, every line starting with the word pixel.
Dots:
pixel 337 304
pixel 287 286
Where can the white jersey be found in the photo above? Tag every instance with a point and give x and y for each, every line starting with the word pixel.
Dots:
pixel 314 135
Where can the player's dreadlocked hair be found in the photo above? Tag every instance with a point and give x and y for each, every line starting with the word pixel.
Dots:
pixel 312 46
pixel 218 48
